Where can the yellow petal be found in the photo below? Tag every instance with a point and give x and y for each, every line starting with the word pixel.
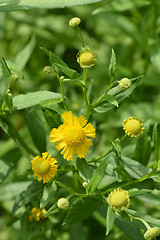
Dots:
pixel 56 135
pixel 68 153
pixel 82 120
pixel 89 130
pixel 68 117
pixel 82 148
pixel 60 145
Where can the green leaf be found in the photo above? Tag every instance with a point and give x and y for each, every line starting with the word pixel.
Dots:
pixel 9 100
pixel 52 117
pixel 112 66
pixel 8 5
pixel 36 130
pixel 111 99
pixel 46 191
pixel 23 101
pixel 57 61
pixel 156 140
pixel 110 218
pixel 143 146
pixel 81 208
pixel 33 193
pixel 8 163
pixel 84 169
pixel 22 57
pixel 97 176
pixel 6 66
pixel 117 145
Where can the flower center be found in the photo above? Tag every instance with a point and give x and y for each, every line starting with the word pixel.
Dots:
pixel 86 58
pixel 73 134
pixel 119 199
pixel 41 166
pixel 133 126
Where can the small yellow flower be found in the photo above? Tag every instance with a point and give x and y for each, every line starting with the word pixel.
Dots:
pixel 152 233
pixel 63 203
pixel 133 126
pixel 37 214
pixel 74 22
pixel 72 136
pixel 118 199
pixel 86 58
pixel 124 83
pixel 44 167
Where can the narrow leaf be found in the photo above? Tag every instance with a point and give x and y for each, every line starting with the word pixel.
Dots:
pixel 9 100
pixel 52 117
pixel 111 99
pixel 84 169
pixel 156 140
pixel 112 66
pixel 110 218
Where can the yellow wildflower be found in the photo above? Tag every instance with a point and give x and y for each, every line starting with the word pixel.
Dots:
pixel 37 214
pixel 72 136
pixel 44 167
pixel 86 57
pixel 119 199
pixel 133 126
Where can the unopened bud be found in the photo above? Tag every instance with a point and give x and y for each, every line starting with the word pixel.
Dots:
pixel 63 203
pixel 124 83
pixel 62 78
pixel 85 184
pixel 74 22
pixel 47 70
pixel 152 233
pixel 14 78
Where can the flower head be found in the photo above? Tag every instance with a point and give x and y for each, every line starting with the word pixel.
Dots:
pixel 37 214
pixel 86 57
pixel 72 136
pixel 44 167
pixel 152 233
pixel 63 203
pixel 124 83
pixel 133 126
pixel 119 199
pixel 74 22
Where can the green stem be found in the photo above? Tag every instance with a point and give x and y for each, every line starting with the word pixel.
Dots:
pixel 85 73
pixel 144 222
pixel 88 109
pixel 4 103
pixel 81 36
pixel 103 95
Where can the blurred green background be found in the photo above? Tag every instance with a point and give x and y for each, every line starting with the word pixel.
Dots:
pixel 133 31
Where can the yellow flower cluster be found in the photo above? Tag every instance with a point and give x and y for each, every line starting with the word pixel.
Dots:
pixel 37 214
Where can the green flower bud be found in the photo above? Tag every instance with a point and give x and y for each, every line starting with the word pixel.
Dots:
pixel 14 78
pixel 48 70
pixel 63 203
pixel 74 22
pixel 124 83
pixel 152 233
pixel 85 184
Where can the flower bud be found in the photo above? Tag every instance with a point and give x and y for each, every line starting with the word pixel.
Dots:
pixel 74 22
pixel 48 70
pixel 14 78
pixel 63 203
pixel 85 184
pixel 152 233
pixel 119 199
pixel 133 126
pixel 124 83
pixel 62 78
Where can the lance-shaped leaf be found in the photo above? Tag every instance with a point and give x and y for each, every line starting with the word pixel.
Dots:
pixel 112 66
pixel 110 218
pixel 83 168
pixel 53 118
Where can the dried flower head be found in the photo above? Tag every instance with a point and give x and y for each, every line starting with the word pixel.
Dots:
pixel 72 136
pixel 74 22
pixel 37 214
pixel 86 57
pixel 119 199
pixel 133 126
pixel 152 233
pixel 63 203
pixel 124 83
pixel 44 167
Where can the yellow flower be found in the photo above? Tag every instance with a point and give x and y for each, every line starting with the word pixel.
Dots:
pixel 133 126
pixel 86 58
pixel 119 199
pixel 37 214
pixel 74 22
pixel 72 136
pixel 44 167
pixel 152 233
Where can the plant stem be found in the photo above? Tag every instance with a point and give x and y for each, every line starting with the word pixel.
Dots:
pixel 81 36
pixel 85 95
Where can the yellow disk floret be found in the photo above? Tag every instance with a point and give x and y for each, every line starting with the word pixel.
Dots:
pixel 152 233
pixel 133 126
pixel 44 167
pixel 37 214
pixel 73 137
pixel 118 199
pixel 86 58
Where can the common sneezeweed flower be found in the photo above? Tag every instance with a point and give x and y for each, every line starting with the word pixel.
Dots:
pixel 118 199
pixel 74 22
pixel 44 167
pixel 37 214
pixel 72 136
pixel 86 57
pixel 152 233
pixel 124 83
pixel 133 126
pixel 63 203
